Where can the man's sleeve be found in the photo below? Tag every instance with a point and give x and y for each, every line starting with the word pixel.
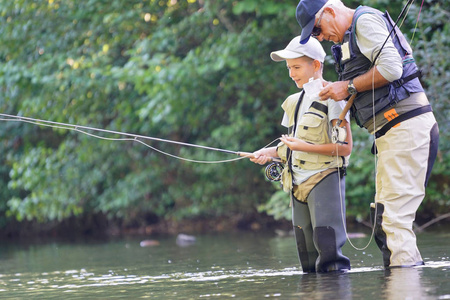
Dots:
pixel 371 33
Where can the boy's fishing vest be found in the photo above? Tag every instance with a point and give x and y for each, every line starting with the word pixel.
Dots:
pixel 312 128
pixel 355 63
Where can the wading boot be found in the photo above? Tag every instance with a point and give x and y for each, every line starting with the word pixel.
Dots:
pixel 330 256
pixel 376 216
pixel 307 258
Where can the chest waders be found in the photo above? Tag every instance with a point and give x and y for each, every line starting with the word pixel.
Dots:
pixel 319 227
pixel 317 222
pixel 407 142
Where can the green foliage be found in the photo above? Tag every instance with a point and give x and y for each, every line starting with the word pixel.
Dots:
pixel 191 71
pixel 277 206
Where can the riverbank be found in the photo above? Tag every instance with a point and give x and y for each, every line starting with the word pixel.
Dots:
pixel 99 225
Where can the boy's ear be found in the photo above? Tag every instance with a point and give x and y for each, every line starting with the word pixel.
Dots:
pixel 317 64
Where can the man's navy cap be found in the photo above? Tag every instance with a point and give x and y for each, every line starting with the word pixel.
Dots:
pixel 306 16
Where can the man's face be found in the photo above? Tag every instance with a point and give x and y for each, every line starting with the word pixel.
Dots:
pixel 329 27
pixel 300 70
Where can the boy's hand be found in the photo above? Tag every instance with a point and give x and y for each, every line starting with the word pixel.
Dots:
pixel 293 143
pixel 260 157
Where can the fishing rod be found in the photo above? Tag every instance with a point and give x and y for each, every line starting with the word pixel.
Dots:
pixel 271 170
pixel 392 30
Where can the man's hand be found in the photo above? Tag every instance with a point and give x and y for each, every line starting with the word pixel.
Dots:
pixel 336 91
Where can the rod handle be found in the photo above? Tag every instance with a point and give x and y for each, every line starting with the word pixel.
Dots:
pixel 251 155
pixel 345 110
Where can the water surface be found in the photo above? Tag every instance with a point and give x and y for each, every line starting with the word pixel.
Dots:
pixel 217 266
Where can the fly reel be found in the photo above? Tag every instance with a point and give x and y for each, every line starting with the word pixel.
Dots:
pixel 338 135
pixel 273 171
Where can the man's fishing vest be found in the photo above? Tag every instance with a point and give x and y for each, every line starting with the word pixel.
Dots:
pixel 312 128
pixel 356 64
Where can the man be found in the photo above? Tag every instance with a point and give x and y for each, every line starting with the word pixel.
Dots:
pixel 315 168
pixel 390 103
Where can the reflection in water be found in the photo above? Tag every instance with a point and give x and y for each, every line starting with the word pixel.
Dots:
pixel 325 286
pixel 405 283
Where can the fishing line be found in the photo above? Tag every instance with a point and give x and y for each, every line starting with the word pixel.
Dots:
pixel 417 21
pixel 343 212
pixel 406 7
pixel 340 189
pixel 131 138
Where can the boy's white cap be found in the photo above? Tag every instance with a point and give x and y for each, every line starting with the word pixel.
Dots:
pixel 294 49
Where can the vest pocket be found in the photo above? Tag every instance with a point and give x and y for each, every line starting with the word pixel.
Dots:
pixel 364 101
pixel 308 157
pixel 311 128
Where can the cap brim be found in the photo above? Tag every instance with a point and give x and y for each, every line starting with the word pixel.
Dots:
pixel 284 54
pixel 306 31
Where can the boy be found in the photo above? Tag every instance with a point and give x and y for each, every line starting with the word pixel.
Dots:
pixel 315 167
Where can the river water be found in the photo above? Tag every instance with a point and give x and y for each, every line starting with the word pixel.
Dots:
pixel 217 266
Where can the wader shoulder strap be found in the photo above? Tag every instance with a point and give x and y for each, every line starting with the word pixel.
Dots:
pixel 399 82
pixel 288 151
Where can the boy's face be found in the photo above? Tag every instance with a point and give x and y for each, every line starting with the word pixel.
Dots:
pixel 301 70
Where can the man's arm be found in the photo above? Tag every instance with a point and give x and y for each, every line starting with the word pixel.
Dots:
pixel 371 32
pixel 337 91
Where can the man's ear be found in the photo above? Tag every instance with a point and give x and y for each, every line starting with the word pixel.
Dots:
pixel 330 11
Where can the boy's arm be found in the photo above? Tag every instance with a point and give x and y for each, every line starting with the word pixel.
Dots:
pixel 325 149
